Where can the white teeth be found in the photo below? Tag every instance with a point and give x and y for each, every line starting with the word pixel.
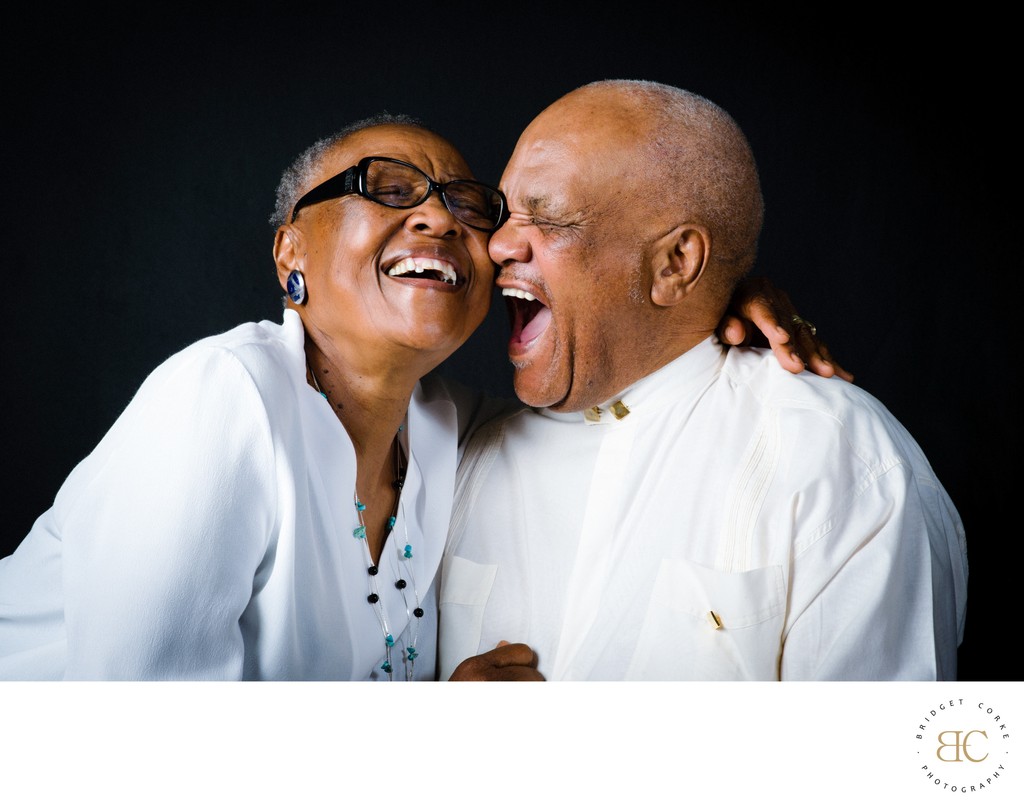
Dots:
pixel 420 265
pixel 522 295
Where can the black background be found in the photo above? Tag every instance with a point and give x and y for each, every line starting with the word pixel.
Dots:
pixel 141 158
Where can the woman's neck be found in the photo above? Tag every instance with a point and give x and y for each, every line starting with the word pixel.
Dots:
pixel 372 408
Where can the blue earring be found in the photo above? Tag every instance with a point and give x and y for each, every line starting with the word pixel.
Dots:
pixel 296 287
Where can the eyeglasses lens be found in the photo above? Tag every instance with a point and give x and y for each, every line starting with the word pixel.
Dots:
pixel 475 204
pixel 397 185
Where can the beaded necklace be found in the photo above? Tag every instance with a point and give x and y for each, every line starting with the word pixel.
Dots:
pixel 414 613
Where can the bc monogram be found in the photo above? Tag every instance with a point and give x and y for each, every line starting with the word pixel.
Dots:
pixel 961 743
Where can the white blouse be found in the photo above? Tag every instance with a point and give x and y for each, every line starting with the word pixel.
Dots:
pixel 209 535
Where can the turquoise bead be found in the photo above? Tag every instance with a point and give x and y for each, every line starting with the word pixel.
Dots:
pixel 390 640
pixel 359 532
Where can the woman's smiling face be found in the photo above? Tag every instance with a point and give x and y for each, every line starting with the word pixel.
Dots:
pixel 384 277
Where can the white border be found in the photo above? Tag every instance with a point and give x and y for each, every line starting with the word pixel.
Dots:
pixel 544 743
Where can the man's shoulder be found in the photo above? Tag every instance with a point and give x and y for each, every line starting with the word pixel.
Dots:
pixel 757 371
pixel 818 414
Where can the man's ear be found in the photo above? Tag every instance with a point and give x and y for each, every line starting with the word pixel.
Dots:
pixel 287 251
pixel 679 260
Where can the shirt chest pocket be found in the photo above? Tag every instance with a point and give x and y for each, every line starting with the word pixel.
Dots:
pixel 465 589
pixel 703 624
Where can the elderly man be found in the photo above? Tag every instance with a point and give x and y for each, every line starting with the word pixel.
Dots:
pixel 666 508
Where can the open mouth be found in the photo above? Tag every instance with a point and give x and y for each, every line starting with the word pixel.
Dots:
pixel 527 315
pixel 425 269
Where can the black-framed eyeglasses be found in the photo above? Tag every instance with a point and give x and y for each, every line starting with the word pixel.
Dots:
pixel 394 183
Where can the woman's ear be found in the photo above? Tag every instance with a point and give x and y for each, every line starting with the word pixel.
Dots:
pixel 287 252
pixel 679 260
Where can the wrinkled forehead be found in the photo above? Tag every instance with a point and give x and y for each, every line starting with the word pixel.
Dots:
pixel 429 152
pixel 559 167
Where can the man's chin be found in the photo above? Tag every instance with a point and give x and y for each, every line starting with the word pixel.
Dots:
pixel 541 392
pixel 533 390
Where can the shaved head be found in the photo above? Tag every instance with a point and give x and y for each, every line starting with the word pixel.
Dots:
pixel 686 159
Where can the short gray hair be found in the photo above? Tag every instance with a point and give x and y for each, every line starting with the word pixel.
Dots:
pixel 298 176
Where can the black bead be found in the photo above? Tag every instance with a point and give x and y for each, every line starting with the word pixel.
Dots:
pixel 372 570
pixel 418 612
pixel 400 583
pixel 372 599
pixel 398 483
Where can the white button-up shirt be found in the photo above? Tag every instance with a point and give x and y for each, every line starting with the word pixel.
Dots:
pixel 739 522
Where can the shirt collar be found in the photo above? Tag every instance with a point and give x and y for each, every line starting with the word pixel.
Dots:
pixel 679 379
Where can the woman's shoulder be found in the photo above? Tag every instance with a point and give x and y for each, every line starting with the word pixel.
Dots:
pixel 256 338
pixel 263 349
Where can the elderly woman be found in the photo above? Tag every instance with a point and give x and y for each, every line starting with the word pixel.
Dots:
pixel 274 501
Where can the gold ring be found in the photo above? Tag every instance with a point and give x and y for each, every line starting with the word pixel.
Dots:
pixel 801 322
